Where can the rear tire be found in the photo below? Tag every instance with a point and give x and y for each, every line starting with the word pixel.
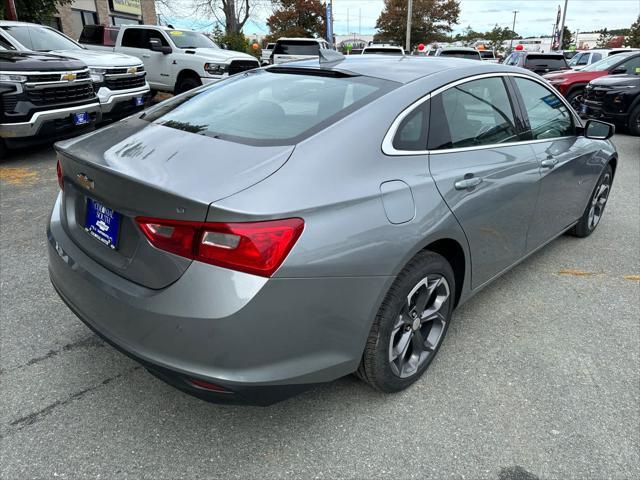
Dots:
pixel 575 98
pixel 187 83
pixel 410 325
pixel 595 208
pixel 634 121
pixel 3 149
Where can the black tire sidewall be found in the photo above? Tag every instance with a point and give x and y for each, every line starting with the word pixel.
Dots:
pixel 632 123
pixel 421 266
pixel 582 228
pixel 186 84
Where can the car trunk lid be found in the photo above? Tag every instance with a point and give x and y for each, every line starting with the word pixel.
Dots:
pixel 134 169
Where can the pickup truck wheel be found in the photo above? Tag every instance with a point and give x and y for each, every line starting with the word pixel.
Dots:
pixel 575 98
pixel 187 83
pixel 3 149
pixel 634 121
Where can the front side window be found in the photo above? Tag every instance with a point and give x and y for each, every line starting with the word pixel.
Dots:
pixel 266 107
pixel 630 67
pixel 548 115
pixel 583 60
pixel 474 113
pixel 40 39
pixel 605 63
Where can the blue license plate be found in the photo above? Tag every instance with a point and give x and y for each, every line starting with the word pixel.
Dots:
pixel 583 109
pixel 138 101
pixel 102 223
pixel 81 118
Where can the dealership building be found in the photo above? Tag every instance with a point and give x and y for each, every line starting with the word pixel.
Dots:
pixel 72 17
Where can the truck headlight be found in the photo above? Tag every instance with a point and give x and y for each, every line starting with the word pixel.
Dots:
pixel 216 68
pixel 8 77
pixel 97 74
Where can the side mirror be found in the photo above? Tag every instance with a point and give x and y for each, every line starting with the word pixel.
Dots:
pixel 618 71
pixel 156 46
pixel 597 130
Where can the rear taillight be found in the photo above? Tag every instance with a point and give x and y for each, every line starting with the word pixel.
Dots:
pixel 59 174
pixel 256 247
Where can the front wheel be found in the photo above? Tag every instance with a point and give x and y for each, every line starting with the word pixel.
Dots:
pixel 634 121
pixel 575 98
pixel 595 208
pixel 410 325
pixel 187 83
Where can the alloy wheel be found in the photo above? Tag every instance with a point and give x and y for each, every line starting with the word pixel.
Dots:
pixel 419 328
pixel 576 102
pixel 598 202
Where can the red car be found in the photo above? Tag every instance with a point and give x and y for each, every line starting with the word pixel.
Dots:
pixel 571 83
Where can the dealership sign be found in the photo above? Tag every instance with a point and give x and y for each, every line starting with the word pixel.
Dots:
pixel 127 6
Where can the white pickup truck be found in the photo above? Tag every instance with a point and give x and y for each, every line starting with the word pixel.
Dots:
pixel 175 60
pixel 118 80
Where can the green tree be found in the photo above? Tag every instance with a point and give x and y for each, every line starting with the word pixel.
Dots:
pixel 297 18
pixel 231 41
pixel 431 20
pixel 633 40
pixel 497 35
pixel 603 39
pixel 567 39
pixel 38 11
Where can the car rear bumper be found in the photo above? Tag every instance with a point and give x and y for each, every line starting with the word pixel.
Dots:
pixel 260 339
pixel 32 127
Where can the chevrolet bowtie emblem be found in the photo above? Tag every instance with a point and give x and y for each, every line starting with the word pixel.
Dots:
pixel 131 70
pixel 69 77
pixel 85 181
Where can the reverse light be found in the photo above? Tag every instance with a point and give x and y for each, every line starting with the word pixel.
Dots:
pixel 258 248
pixel 59 174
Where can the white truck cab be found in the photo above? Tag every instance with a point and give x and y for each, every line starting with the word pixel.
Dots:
pixel 118 80
pixel 290 49
pixel 176 60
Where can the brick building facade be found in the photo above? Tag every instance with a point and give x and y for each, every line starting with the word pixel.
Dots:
pixel 71 18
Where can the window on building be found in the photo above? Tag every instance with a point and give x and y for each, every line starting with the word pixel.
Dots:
pixel 80 18
pixel 116 20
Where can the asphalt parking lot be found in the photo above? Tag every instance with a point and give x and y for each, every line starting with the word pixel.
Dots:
pixel 539 376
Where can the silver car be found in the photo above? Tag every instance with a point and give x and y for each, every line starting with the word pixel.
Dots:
pixel 295 224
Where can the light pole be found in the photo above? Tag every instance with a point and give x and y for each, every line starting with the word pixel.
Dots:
pixel 513 29
pixel 564 15
pixel 408 39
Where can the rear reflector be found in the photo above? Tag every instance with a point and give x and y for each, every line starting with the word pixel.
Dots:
pixel 212 387
pixel 258 248
pixel 59 174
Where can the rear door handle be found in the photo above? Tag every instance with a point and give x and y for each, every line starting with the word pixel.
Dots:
pixel 467 183
pixel 549 162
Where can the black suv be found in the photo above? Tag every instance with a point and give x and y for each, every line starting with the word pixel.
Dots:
pixel 615 98
pixel 540 63
pixel 43 97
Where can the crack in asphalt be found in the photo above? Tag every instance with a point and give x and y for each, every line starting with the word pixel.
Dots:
pixel 38 416
pixel 92 341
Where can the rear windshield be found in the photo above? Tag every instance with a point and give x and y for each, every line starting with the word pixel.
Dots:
pixel 99 35
pixel 266 107
pixel 296 47
pixel 383 51
pixel 460 54
pixel 487 54
pixel 546 61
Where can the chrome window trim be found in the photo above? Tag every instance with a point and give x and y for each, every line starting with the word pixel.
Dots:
pixel 390 150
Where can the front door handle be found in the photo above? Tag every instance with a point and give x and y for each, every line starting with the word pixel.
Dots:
pixel 549 162
pixel 468 182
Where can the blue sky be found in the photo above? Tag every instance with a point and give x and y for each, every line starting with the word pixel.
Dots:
pixel 535 17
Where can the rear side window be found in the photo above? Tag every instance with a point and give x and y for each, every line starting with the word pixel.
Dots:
pixel 548 115
pixel 296 47
pixel 269 108
pixel 472 114
pixel 133 38
pixel 595 57
pixel 412 131
pixel 92 35
pixel 551 62
pixel 583 59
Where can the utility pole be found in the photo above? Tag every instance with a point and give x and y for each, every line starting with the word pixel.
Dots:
pixel 408 39
pixel 333 32
pixel 513 29
pixel 564 15
pixel 359 21
pixel 348 29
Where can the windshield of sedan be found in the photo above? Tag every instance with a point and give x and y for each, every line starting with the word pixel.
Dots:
pixel 40 39
pixel 269 107
pixel 605 63
pixel 189 39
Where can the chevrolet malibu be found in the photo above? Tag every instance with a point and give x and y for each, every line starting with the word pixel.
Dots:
pixel 292 225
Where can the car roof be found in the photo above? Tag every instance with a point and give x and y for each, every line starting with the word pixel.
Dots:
pixel 402 69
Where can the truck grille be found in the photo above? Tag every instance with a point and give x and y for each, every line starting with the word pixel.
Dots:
pixel 8 103
pixel 594 94
pixel 237 66
pixel 122 70
pixel 73 92
pixel 124 83
pixel 55 77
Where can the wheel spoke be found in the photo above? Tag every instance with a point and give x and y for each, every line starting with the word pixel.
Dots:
pixel 400 349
